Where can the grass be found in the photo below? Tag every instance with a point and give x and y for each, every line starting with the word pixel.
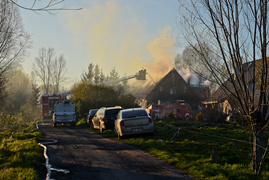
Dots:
pixel 191 149
pixel 20 154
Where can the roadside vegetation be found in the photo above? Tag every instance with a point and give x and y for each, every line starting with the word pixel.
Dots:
pixel 203 150
pixel 91 93
pixel 20 155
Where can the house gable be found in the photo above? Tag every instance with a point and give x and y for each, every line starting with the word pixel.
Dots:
pixel 172 87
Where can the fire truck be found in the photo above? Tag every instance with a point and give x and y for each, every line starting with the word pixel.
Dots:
pixel 180 109
pixel 48 101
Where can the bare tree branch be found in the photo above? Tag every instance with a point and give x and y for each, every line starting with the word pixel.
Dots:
pixel 13 40
pixel 51 5
pixel 236 32
pixel 50 70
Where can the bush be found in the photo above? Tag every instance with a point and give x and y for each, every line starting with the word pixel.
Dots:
pixel 199 117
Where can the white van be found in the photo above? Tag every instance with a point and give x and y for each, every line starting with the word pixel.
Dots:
pixel 64 113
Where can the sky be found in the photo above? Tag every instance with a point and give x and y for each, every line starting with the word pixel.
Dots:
pixel 126 35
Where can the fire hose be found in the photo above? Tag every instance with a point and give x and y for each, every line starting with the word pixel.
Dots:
pixel 48 141
pixel 42 144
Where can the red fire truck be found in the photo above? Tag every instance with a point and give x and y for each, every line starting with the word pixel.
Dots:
pixel 179 108
pixel 48 102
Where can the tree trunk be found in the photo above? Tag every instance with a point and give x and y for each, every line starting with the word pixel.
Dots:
pixel 257 152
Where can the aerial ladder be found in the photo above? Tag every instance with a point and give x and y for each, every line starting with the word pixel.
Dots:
pixel 141 75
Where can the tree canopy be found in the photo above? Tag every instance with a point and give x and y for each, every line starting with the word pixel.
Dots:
pixel 87 96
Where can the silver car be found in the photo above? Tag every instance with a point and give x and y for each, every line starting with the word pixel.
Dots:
pixel 133 121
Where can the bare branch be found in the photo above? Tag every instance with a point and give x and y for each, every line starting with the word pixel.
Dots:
pixel 51 5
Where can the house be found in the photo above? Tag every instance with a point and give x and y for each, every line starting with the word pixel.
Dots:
pixel 173 87
pixel 224 95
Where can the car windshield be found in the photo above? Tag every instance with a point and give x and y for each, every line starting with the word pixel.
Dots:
pixel 92 112
pixel 64 107
pixel 134 113
pixel 112 112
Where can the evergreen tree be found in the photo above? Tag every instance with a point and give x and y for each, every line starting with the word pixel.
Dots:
pixel 97 73
pixel 34 98
pixel 113 75
pixel 88 76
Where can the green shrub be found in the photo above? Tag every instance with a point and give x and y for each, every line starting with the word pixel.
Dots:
pixel 20 154
pixel 81 121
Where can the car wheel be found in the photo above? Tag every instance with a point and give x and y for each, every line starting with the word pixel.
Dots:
pixel 54 124
pixel 100 127
pixel 119 137
pixel 115 131
pixel 91 125
pixel 187 118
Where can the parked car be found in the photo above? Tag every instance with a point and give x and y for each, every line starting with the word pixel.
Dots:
pixel 105 118
pixel 231 118
pixel 91 114
pixel 133 121
pixel 235 118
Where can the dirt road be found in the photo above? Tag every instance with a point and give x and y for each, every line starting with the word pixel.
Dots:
pixel 82 154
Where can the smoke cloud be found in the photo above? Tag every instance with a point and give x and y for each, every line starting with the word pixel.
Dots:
pixel 116 37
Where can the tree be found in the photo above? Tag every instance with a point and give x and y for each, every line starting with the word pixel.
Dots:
pixel 113 75
pixel 97 73
pixel 88 76
pixel 190 62
pixel 119 86
pixel 50 5
pixel 34 98
pixel 191 59
pixel 13 42
pixel 43 67
pixel 50 69
pixel 86 97
pixel 18 90
pixel 58 73
pixel 236 33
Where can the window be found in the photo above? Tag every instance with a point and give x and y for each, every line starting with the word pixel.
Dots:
pixel 135 113
pixel 171 91
pixel 167 110
pixel 44 99
pixel 161 89
pixel 112 112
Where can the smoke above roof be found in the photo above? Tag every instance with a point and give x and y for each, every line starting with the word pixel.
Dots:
pixel 191 78
pixel 118 39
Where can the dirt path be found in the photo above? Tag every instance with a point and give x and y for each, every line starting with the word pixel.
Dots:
pixel 87 155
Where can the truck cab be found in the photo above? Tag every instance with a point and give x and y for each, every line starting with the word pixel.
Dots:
pixel 64 113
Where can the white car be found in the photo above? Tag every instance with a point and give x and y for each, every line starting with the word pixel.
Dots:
pixel 133 121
